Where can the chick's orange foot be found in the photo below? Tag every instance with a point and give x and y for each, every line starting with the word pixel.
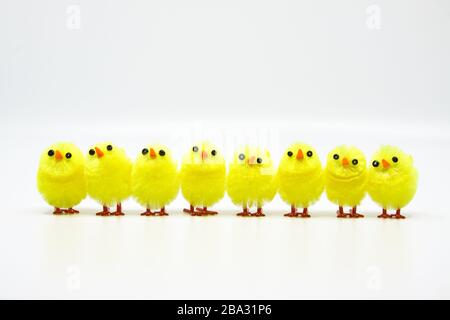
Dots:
pixel 397 215
pixel 340 213
pixel 148 213
pixel 353 213
pixel 58 211
pixel 162 212
pixel 244 213
pixel 305 213
pixel 103 213
pixel 118 211
pixel 71 211
pixel 193 212
pixel 295 214
pixel 384 215
pixel 258 213
pixel 206 211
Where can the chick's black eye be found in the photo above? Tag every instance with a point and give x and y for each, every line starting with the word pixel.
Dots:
pixel 375 163
pixel 309 154
pixel 355 162
pixel 144 151
pixel 68 155
pixel 259 160
pixel 289 153
pixel 92 152
pixel 195 148
pixel 214 152
pixel 109 147
pixel 51 153
pixel 395 159
pixel 336 157
pixel 162 153
pixel 241 156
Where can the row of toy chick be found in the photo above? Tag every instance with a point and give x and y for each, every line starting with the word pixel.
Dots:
pixel 107 175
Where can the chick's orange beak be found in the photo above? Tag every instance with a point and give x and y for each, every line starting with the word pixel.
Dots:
pixel 204 154
pixel 152 153
pixel 385 164
pixel 299 154
pixel 99 152
pixel 251 160
pixel 345 162
pixel 58 155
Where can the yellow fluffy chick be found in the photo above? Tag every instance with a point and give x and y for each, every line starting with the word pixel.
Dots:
pixel 346 179
pixel 392 180
pixel 154 179
pixel 108 174
pixel 251 180
pixel 60 178
pixel 300 178
pixel 203 174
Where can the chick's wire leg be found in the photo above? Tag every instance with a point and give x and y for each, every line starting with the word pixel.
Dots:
pixel 244 213
pixel 305 213
pixel 147 212
pixel 354 214
pixel 397 215
pixel 340 213
pixel 293 213
pixel 118 211
pixel 58 211
pixel 103 213
pixel 191 210
pixel 384 215
pixel 259 212
pixel 162 212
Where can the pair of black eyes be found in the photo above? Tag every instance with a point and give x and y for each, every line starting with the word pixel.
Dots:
pixel 375 163
pixel 108 147
pixel 51 153
pixel 195 149
pixel 354 161
pixel 161 152
pixel 242 157
pixel 309 154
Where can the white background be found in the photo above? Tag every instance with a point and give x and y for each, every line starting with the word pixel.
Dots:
pixel 266 72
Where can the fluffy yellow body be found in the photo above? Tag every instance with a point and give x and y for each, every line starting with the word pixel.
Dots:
pixel 252 178
pixel 346 176
pixel 155 180
pixel 203 173
pixel 60 179
pixel 299 189
pixel 203 185
pixel 251 186
pixel 345 192
pixel 108 176
pixel 392 178
pixel 300 176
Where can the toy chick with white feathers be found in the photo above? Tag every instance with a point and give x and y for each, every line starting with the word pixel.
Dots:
pixel 203 173
pixel 251 180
